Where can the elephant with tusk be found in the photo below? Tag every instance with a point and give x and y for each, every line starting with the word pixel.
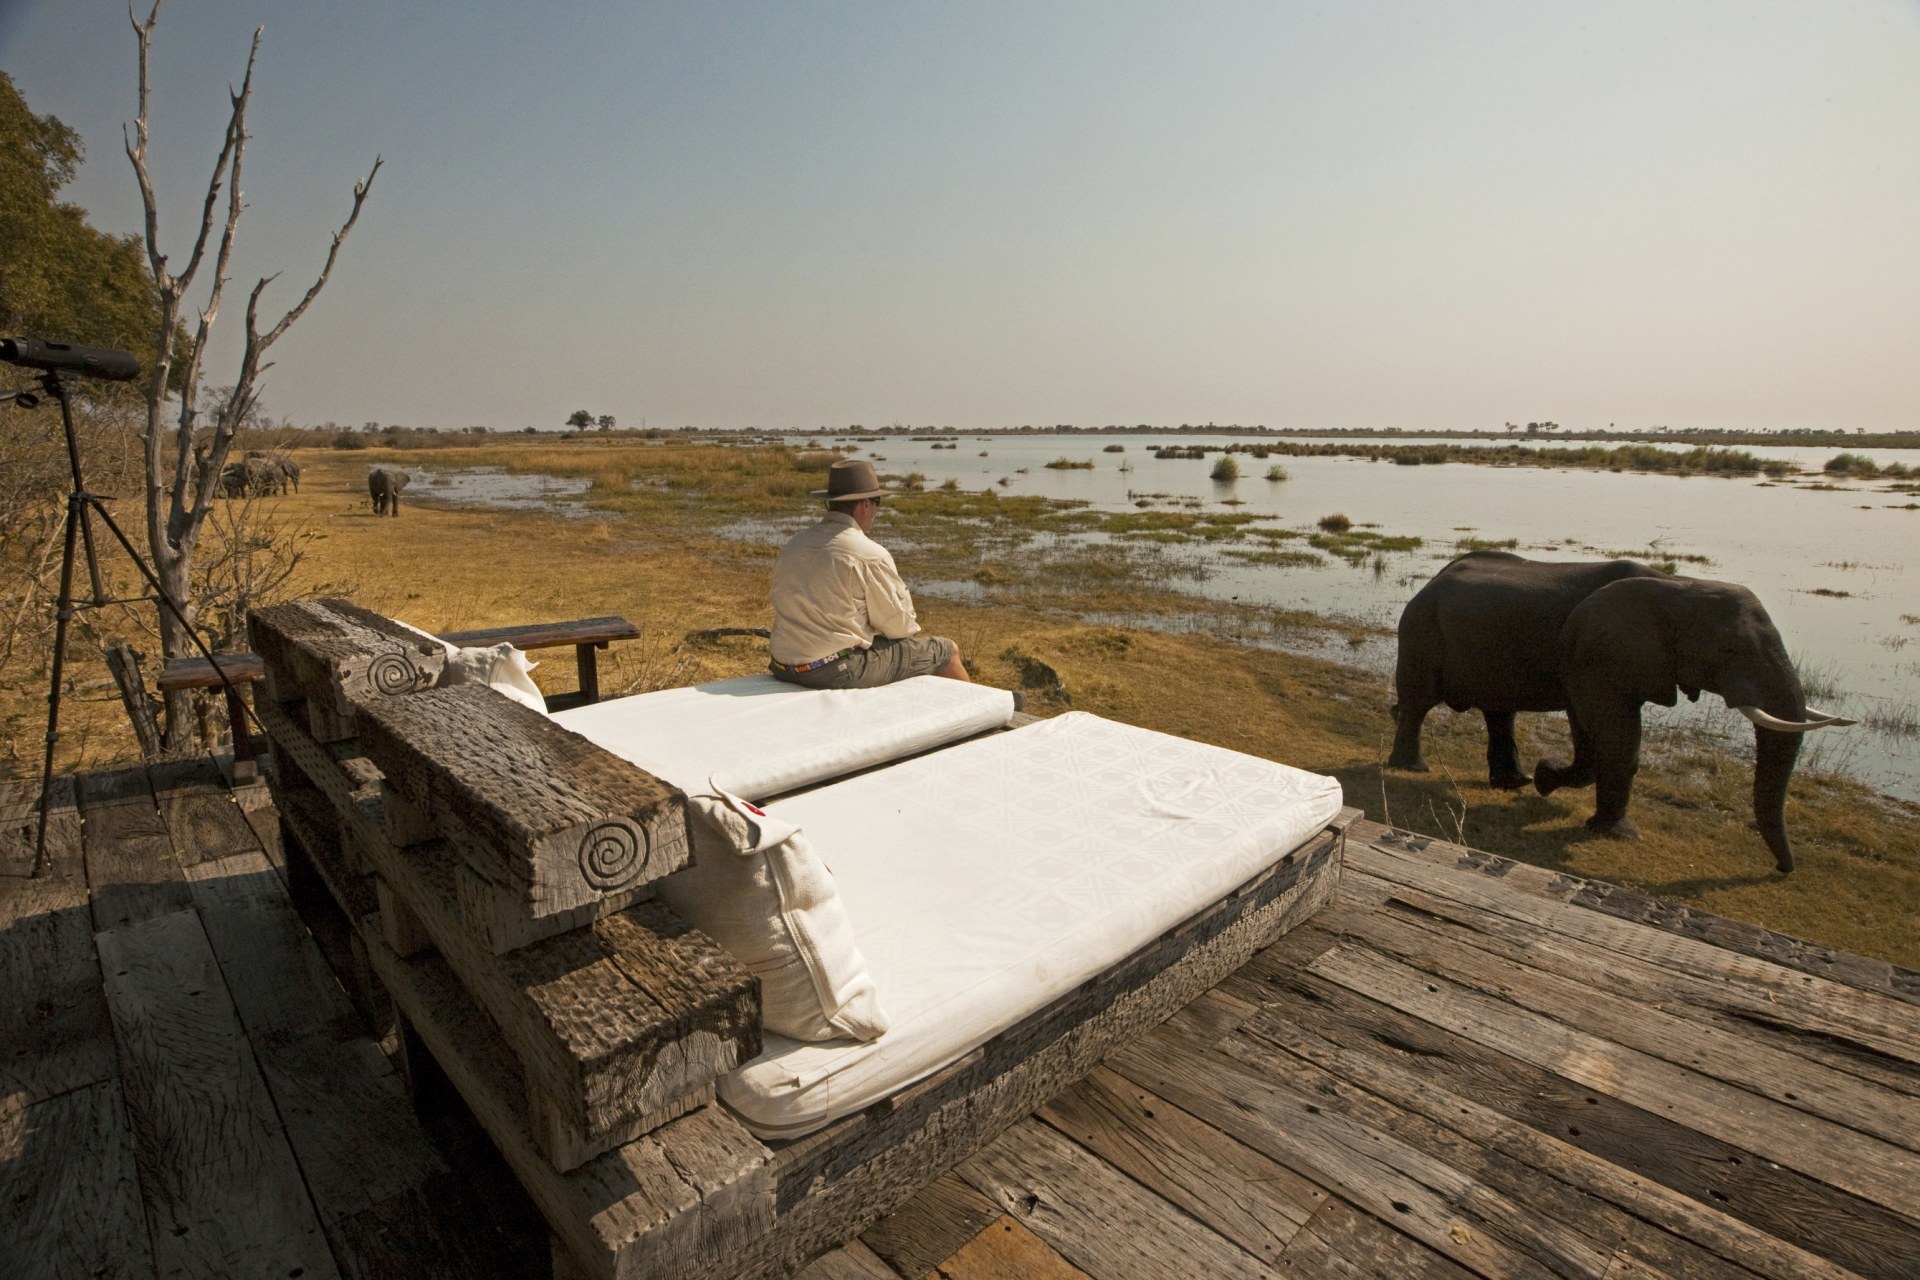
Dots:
pixel 1502 634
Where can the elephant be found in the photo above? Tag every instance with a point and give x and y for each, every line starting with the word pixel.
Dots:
pixel 285 474
pixel 250 477
pixel 384 486
pixel 1502 634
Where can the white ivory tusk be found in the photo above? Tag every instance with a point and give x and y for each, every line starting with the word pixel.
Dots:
pixel 1815 720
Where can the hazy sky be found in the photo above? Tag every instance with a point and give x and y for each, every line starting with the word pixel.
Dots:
pixel 1419 214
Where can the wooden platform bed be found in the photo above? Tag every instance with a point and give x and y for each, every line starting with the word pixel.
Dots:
pixel 501 872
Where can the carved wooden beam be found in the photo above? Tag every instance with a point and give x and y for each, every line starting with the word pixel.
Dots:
pixel 554 831
pixel 334 654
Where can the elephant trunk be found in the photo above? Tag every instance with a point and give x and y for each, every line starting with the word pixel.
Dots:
pixel 1781 718
pixel 1773 758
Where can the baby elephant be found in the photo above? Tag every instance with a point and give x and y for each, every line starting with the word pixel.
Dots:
pixel 384 487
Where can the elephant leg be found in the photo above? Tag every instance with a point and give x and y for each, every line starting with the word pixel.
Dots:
pixel 1550 777
pixel 1408 716
pixel 1615 735
pixel 1503 758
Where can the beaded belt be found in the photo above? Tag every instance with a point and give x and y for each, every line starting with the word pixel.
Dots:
pixel 816 664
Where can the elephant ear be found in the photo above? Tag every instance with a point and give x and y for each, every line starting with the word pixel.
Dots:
pixel 1621 641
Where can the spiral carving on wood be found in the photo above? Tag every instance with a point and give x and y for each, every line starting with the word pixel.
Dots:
pixel 395 672
pixel 612 854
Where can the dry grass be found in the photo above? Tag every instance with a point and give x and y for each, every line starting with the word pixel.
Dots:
pixel 652 555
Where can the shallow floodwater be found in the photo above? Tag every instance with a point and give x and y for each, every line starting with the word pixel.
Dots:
pixel 501 489
pixel 1834 567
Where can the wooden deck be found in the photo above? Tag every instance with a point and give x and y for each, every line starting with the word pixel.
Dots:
pixel 1463 1067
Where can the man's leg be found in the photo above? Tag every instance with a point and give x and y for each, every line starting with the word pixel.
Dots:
pixel 955 669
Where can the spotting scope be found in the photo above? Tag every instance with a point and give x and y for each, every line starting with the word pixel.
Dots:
pixel 68 357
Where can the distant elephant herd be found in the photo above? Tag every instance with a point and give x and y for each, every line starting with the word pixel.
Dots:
pixel 261 474
pixel 1499 634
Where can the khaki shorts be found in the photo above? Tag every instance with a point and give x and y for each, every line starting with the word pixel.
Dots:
pixel 886 662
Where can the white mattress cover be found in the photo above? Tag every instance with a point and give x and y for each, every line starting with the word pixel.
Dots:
pixel 989 879
pixel 757 736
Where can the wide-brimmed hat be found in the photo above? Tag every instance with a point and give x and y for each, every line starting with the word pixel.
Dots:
pixel 849 480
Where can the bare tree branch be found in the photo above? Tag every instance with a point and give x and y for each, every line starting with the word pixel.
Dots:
pixel 138 152
pixel 360 190
pixel 184 516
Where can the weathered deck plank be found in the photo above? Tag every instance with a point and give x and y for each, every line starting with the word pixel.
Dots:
pixel 1094 1216
pixel 1006 1248
pixel 852 1261
pixel 1443 1208
pixel 131 871
pixel 1745 1000
pixel 363 1157
pixel 54 1015
pixel 1746 1060
pixel 1642 1146
pixel 223 1193
pixel 1409 1088
pixel 933 1225
pixel 69 1198
pixel 1233 1189
pixel 69 1202
pixel 1867 1166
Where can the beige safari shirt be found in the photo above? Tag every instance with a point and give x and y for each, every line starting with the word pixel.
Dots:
pixel 835 588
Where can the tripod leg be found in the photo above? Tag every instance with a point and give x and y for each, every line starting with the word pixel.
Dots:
pixel 62 617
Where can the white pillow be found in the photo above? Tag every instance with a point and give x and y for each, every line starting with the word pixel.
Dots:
pixel 756 887
pixel 500 667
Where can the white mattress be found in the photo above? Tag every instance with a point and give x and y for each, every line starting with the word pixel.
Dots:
pixel 757 736
pixel 991 878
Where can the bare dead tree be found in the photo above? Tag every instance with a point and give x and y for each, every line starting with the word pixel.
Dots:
pixel 180 494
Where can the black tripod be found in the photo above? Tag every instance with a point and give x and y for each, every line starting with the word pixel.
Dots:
pixel 51 360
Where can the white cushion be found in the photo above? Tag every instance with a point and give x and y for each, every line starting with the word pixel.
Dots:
pixel 756 888
pixel 989 879
pixel 757 736
pixel 500 667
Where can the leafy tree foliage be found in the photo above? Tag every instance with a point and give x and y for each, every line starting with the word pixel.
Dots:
pixel 61 278
pixel 579 419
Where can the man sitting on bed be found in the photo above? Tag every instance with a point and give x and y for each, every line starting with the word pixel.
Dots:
pixel 842 618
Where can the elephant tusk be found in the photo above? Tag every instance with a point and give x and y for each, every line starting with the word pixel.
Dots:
pixel 1815 720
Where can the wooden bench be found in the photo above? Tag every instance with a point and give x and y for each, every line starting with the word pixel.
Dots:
pixel 500 873
pixel 586 635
